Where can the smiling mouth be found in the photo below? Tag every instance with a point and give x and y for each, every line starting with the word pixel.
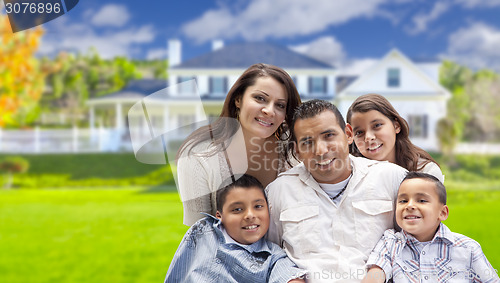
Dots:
pixel 412 217
pixel 268 124
pixel 251 227
pixel 374 148
pixel 325 162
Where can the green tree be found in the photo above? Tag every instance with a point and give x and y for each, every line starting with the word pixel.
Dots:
pixel 73 79
pixel 21 78
pixel 454 77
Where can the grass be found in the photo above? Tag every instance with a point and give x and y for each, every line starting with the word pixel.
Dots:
pixel 93 235
pixel 83 170
pixel 475 214
pixel 130 235
pixel 81 166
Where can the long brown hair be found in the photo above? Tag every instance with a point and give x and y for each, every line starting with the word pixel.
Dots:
pixel 223 129
pixel 407 154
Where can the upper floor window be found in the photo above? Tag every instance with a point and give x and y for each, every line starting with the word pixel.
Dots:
pixel 218 85
pixel 317 85
pixel 418 126
pixel 393 77
pixel 187 85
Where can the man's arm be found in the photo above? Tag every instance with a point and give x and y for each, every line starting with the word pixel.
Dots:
pixel 274 233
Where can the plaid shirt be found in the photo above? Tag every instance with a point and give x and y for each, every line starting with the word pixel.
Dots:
pixel 205 256
pixel 449 257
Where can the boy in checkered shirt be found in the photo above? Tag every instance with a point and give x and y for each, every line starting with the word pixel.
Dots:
pixel 425 249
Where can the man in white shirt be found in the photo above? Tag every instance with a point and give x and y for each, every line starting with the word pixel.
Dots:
pixel 329 211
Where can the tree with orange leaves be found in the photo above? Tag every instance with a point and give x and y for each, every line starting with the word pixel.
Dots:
pixel 21 79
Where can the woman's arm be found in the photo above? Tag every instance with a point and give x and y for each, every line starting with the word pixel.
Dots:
pixel 194 188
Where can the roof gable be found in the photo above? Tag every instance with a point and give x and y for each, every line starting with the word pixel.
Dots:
pixel 413 80
pixel 242 55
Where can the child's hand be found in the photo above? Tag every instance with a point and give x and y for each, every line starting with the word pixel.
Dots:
pixel 297 280
pixel 374 275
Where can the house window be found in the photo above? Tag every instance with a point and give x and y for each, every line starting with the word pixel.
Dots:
pixel 393 77
pixel 218 86
pixel 317 85
pixel 186 86
pixel 418 126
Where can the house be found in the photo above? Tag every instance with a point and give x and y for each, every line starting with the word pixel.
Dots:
pixel 413 89
pixel 197 87
pixel 196 90
pixel 216 72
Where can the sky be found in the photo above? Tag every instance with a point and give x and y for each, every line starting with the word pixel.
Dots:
pixel 349 34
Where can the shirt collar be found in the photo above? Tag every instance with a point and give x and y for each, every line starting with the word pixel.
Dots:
pixel 443 233
pixel 257 247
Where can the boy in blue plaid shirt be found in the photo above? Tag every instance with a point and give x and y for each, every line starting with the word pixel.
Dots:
pixel 425 249
pixel 231 246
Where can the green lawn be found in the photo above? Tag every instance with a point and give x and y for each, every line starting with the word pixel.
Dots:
pixel 130 235
pixel 95 235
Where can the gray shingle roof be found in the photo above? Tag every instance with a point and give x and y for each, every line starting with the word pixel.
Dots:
pixel 243 55
pixel 138 88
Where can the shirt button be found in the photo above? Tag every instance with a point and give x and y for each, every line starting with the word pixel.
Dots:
pixel 405 268
pixel 426 277
pixel 423 252
pixel 218 261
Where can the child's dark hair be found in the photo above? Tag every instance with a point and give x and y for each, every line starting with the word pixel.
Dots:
pixel 440 188
pixel 244 181
pixel 408 155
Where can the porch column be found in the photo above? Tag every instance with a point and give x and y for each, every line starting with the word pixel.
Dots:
pixel 199 112
pixel 166 119
pixel 119 118
pixel 92 120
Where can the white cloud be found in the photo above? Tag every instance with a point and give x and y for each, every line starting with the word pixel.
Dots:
pixel 326 49
pixel 278 19
pixel 476 46
pixel 75 36
pixel 478 3
pixel 112 15
pixel 421 20
pixel 157 53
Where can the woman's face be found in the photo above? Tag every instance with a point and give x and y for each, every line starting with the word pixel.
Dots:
pixel 262 107
pixel 375 135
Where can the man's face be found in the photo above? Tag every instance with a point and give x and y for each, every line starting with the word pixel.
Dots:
pixel 324 147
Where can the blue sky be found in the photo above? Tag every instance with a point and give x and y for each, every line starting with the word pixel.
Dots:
pixel 347 33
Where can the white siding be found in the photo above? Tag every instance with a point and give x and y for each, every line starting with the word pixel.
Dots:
pixel 303 84
pixel 411 81
pixel 431 69
pixel 203 84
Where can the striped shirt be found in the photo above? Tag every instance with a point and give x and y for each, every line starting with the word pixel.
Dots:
pixel 204 256
pixel 449 257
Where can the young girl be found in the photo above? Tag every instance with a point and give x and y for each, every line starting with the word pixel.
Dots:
pixel 250 136
pixel 380 133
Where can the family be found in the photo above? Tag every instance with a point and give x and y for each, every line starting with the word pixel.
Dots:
pixel 276 190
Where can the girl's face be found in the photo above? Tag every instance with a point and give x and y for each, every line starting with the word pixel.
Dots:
pixel 375 135
pixel 262 107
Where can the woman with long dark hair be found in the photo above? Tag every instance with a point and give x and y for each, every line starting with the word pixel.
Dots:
pixel 250 136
